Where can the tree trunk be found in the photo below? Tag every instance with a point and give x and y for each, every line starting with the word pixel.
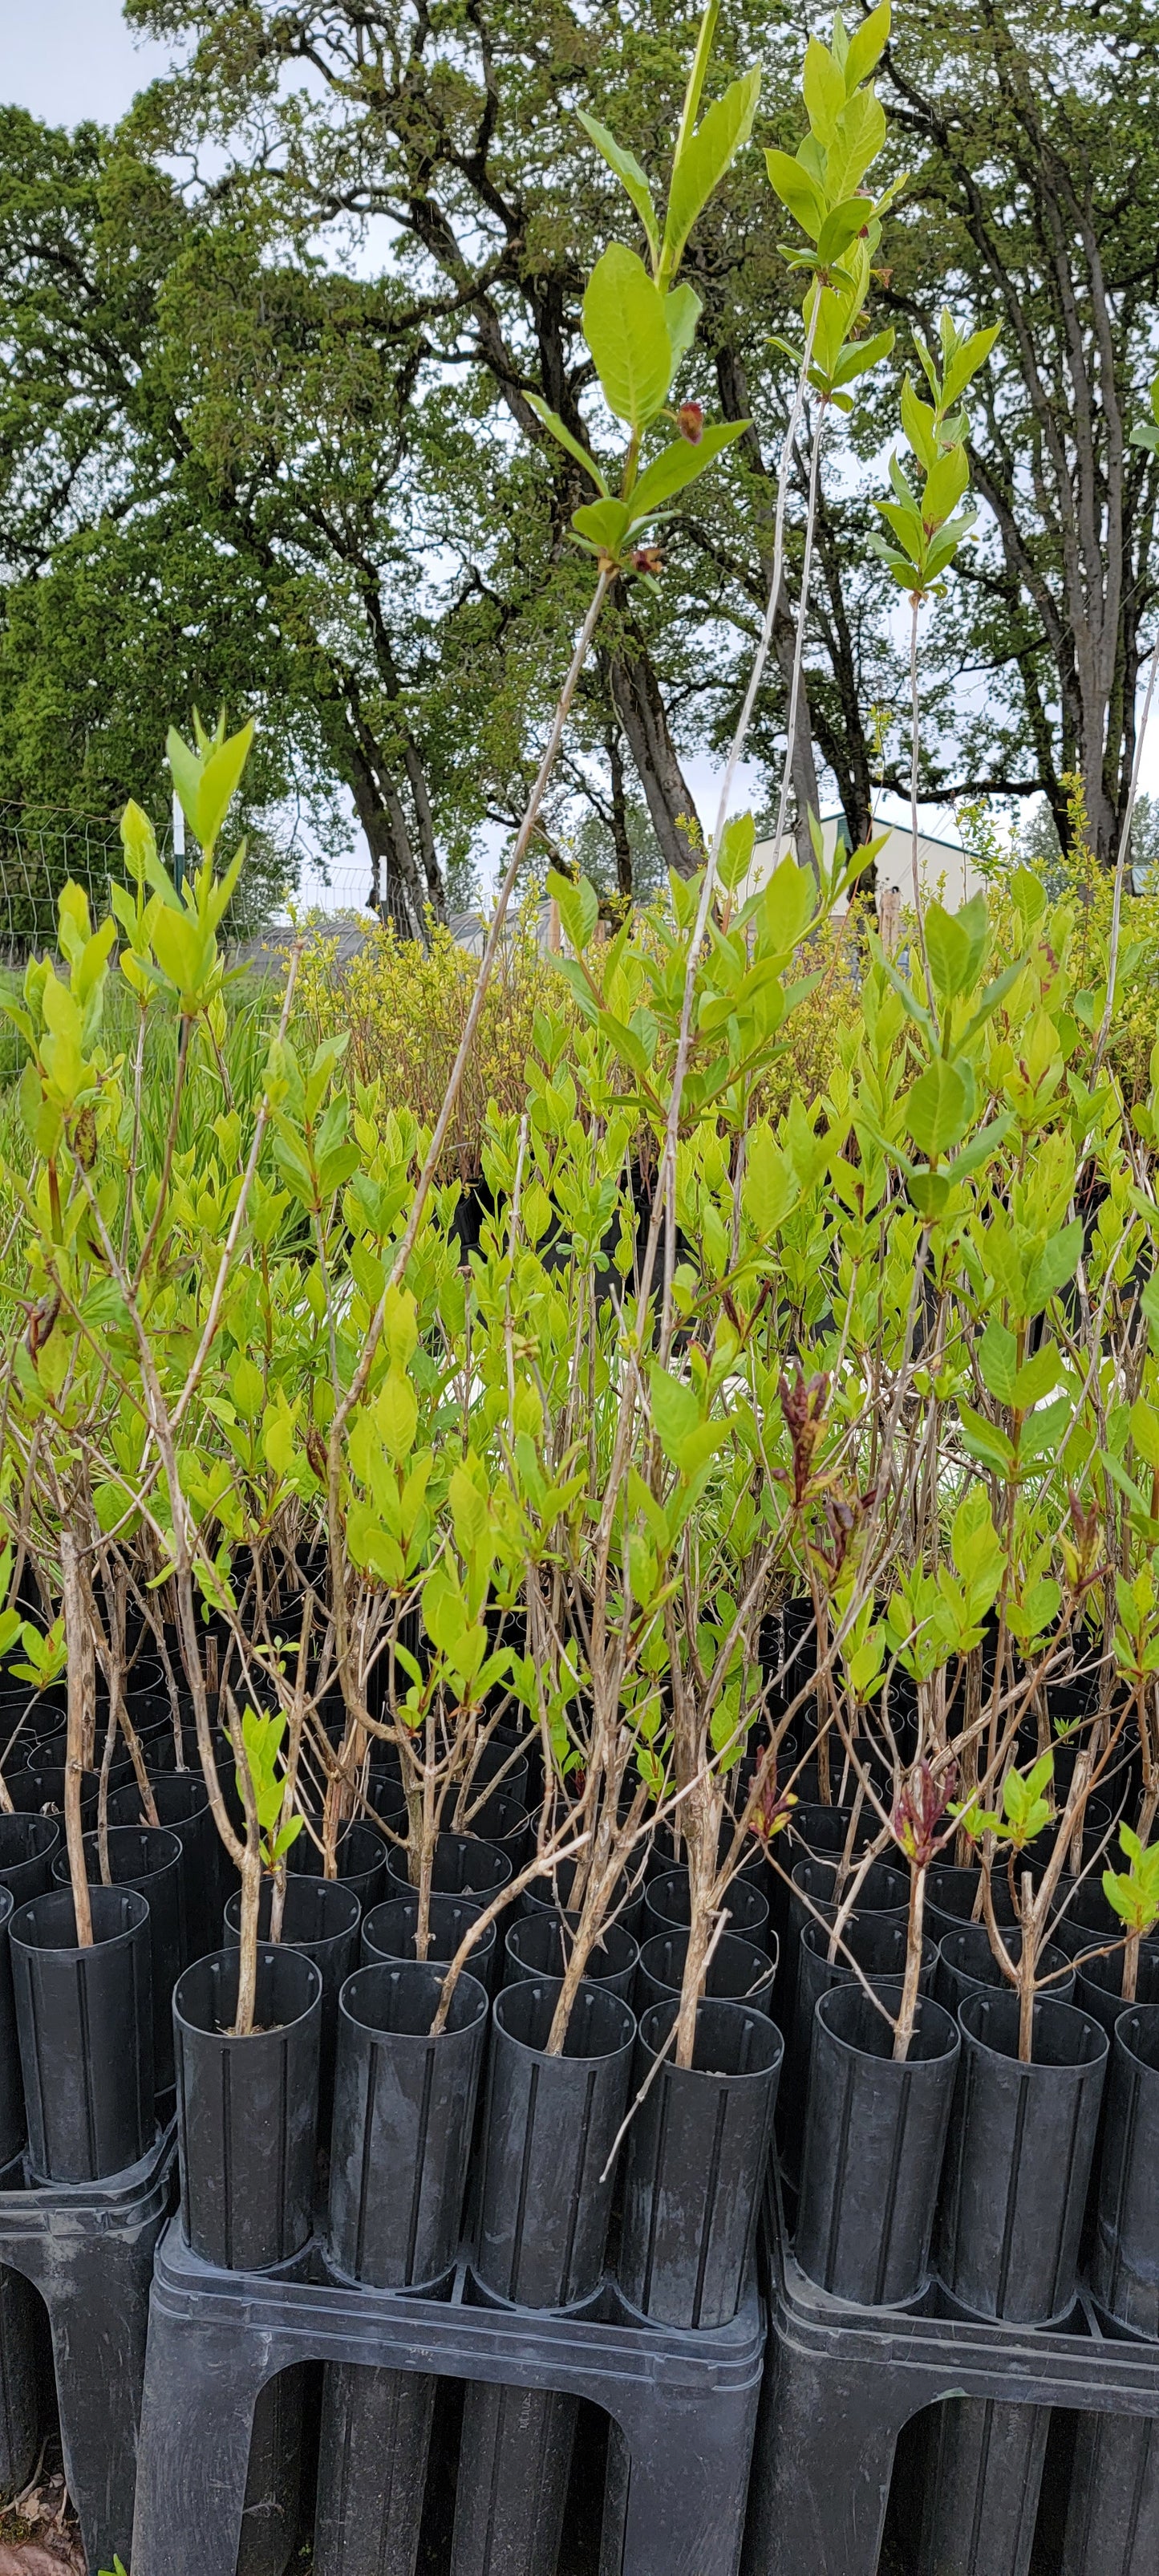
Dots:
pixel 640 708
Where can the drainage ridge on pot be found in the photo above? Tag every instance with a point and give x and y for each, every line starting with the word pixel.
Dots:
pixel 247 2108
pixel 1124 2269
pixel 12 2123
pixel 1019 2162
pixel 540 1945
pixel 390 1933
pixel 85 2024
pixel 697 2152
pixel 404 2105
pixel 875 2136
pixel 550 2126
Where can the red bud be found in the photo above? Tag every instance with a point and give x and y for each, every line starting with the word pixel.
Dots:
pixel 647 559
pixel 690 422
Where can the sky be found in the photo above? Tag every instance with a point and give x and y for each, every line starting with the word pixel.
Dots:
pixel 68 59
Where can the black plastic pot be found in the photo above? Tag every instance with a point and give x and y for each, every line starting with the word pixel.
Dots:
pixel 403 2116
pixel 320 1918
pixel 738 1971
pixel 182 1803
pixel 544 2207
pixel 697 2151
pixel 967 1965
pixel 667 1906
pixel 1019 2161
pixel 1098 1988
pixel 247 2108
pixel 539 1945
pixel 85 2024
pixel 882 1891
pixel 52 1753
pixel 463 1866
pixel 1125 2256
pixel 28 1845
pixel 951 1896
pixel 389 1933
pixel 11 2089
pixel 34 1793
pixel 149 1859
pixel 878 1944
pixel 361 1855
pixel 1112 2521
pixel 552 1895
pixel 875 2135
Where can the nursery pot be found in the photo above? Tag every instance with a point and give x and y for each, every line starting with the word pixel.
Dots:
pixel 361 1854
pixel 1019 2159
pixel 667 1906
pixel 549 2129
pixel 1112 2521
pixel 1124 2265
pixel 182 1803
pixel 967 1965
pixel 540 1945
pixel 1098 1988
pixel 28 1845
pixel 739 1972
pixel 320 1918
pixel 85 2024
pixel 11 2089
pixel 697 2151
pixel 875 2134
pixel 149 1859
pixel 552 1894
pixel 878 1944
pixel 463 1866
pixel 246 2108
pixel 390 1932
pixel 404 2109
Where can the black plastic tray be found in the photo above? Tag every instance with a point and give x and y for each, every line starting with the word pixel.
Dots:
pixel 686 2402
pixel 843 2380
pixel 88 2249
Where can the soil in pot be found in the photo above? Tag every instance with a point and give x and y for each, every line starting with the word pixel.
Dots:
pixel 544 2203
pixel 85 2022
pixel 875 2135
pixel 403 2115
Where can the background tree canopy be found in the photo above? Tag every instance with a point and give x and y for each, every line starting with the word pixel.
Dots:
pixel 266 436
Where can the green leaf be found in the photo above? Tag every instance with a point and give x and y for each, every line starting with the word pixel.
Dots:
pixel 797 191
pixel 629 173
pixel 998 1361
pixel 984 1441
pixel 866 45
pixel 1145 1432
pixel 1055 1265
pixel 770 1190
pixel 969 358
pixel 603 525
pixel 822 88
pixel 701 166
pixel 559 429
pixel 946 482
pixel 626 329
pixel 842 225
pixel 679 465
pixel 736 850
pixel 956 944
pixel 937 1109
pixel 579 908
pixel 675 1412
pixel 397 1414
pixel 858 140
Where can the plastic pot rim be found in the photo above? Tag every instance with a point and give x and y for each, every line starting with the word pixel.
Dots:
pixel 986 1998
pixel 512 1997
pixel 228 1962
pixel 665 2014
pixel 471 1988
pixel 24 1935
pixel 928 2010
